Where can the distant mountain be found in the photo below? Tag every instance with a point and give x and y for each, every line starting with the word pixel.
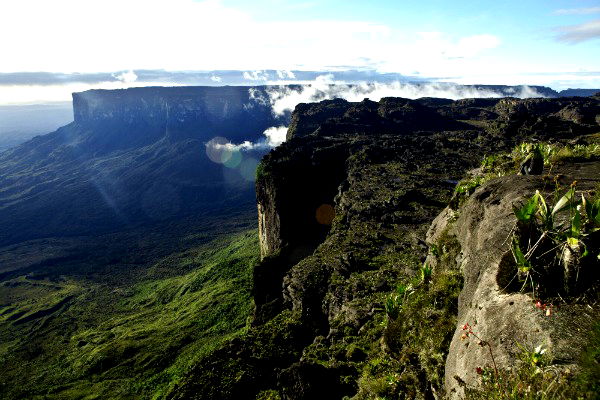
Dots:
pixel 578 92
pixel 139 155
pixel 131 156
pixel 19 123
pixel 127 251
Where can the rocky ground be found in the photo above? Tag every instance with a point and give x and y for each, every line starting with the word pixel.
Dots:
pixel 345 302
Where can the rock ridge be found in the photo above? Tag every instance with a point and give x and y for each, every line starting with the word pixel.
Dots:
pixel 387 174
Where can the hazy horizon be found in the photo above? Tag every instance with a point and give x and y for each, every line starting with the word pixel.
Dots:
pixel 214 42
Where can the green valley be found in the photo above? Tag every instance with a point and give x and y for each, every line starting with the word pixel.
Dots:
pixel 64 336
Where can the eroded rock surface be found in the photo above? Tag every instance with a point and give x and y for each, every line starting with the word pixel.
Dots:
pixel 503 318
pixel 388 169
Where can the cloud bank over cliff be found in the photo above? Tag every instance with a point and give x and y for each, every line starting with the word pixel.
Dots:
pixel 283 99
pixel 271 41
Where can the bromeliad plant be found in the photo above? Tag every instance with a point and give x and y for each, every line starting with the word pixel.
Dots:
pixel 394 302
pixel 555 248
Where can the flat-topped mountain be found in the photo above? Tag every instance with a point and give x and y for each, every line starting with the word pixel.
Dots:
pixel 131 156
pixel 195 111
pixel 369 261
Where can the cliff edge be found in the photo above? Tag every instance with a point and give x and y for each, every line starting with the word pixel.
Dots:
pixel 350 298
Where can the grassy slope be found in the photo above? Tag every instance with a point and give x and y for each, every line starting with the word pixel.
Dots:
pixel 65 337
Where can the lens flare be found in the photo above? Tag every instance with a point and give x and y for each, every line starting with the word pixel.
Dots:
pixel 235 158
pixel 248 169
pixel 217 151
pixel 325 214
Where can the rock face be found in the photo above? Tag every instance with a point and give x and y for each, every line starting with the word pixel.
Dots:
pixel 387 169
pixel 132 156
pixel 325 134
pixel 390 115
pixel 503 318
pixel 189 109
pixel 310 175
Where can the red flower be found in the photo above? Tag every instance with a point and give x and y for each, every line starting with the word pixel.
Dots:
pixel 479 370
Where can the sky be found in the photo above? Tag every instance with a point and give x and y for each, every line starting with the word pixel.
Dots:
pixel 80 44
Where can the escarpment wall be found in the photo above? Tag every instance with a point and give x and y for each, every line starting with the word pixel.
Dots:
pixel 290 191
pixel 304 173
pixel 232 110
pixel 388 169
pixel 328 140
pixel 295 190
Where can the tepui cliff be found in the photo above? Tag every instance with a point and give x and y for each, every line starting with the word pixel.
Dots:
pixel 391 255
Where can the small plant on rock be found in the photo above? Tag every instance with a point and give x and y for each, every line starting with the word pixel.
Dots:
pixel 468 332
pixel 393 302
pixel 426 272
pixel 531 378
pixel 533 359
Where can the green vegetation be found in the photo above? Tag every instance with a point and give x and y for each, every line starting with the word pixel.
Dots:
pixel 555 250
pixel 503 164
pixel 534 377
pixel 466 187
pixel 72 338
pixel 418 326
pixel 556 253
pixel 260 171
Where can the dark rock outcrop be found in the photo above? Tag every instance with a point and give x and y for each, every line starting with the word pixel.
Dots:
pixel 388 116
pixel 387 169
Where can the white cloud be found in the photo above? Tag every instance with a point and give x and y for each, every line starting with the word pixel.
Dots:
pixel 220 147
pixel 284 74
pixel 580 33
pixel 275 135
pixel 284 99
pixel 33 94
pixel 215 78
pixel 229 147
pixel 256 75
pixel 126 77
pixel 189 35
pixel 577 11
pixel 258 97
pixel 72 36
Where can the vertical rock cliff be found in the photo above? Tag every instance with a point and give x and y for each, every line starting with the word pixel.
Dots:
pixel 346 295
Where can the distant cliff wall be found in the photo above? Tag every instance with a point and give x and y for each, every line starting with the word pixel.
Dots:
pixel 230 110
pixel 132 155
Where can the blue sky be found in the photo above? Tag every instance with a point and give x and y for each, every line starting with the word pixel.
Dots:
pixel 528 30
pixel 552 42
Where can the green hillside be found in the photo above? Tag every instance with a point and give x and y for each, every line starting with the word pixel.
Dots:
pixel 69 337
